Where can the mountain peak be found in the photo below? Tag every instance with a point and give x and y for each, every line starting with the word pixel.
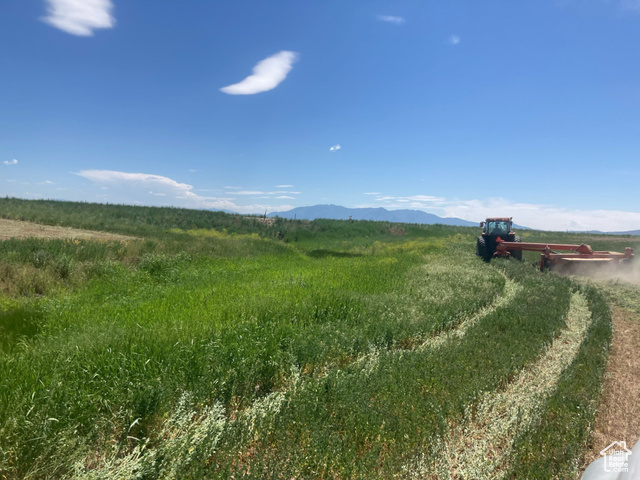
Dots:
pixel 338 212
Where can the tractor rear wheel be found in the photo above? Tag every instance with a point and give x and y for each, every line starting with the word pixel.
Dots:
pixel 517 254
pixel 481 249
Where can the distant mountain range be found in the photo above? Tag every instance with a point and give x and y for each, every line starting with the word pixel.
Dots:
pixel 336 212
pixel 628 232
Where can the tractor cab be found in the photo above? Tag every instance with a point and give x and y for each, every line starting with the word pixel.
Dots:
pixel 497 227
pixel 495 230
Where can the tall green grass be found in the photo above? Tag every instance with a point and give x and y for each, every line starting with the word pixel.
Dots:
pixel 227 330
pixel 214 346
pixel 160 222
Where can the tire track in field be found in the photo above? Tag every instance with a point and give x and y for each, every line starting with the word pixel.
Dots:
pixel 480 447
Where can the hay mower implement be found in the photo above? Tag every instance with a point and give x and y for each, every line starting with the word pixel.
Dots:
pixel 498 240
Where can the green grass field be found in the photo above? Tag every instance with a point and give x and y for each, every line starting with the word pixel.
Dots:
pixel 214 346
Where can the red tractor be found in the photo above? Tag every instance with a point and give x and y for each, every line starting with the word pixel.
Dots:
pixel 496 230
pixel 498 240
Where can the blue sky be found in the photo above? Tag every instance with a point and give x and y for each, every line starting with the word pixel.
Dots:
pixel 467 109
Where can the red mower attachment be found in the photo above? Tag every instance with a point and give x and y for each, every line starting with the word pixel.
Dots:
pixel 550 258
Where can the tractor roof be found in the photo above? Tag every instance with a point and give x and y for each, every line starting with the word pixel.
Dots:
pixel 499 219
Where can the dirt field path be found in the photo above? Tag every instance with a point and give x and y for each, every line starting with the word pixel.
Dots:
pixel 18 229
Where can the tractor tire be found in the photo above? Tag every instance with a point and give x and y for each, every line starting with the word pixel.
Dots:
pixel 481 249
pixel 517 254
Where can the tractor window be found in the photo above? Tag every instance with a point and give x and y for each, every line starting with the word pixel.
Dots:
pixel 497 228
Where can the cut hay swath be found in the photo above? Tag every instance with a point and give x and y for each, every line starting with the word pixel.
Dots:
pixel 479 447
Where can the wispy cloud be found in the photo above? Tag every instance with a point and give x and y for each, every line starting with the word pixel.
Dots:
pixel 284 186
pixel 285 197
pixel 267 75
pixel 335 148
pixel 550 217
pixel 80 17
pixel 453 40
pixel 151 189
pixel 249 192
pixel 260 192
pixel 415 201
pixel 111 177
pixel 391 19
pixel 540 216
pixel 372 193
pixel 11 162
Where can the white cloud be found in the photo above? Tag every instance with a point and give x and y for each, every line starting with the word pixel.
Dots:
pixel 547 217
pixel 249 192
pixel 80 17
pixel 335 148
pixel 259 192
pixel 391 19
pixel 415 201
pixel 111 177
pixel 283 197
pixel 150 189
pixel 539 216
pixel 284 186
pixel 453 40
pixel 372 193
pixel 11 162
pixel 267 75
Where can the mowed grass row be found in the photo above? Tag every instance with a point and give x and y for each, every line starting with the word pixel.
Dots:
pixel 553 447
pixel 366 419
pixel 112 360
